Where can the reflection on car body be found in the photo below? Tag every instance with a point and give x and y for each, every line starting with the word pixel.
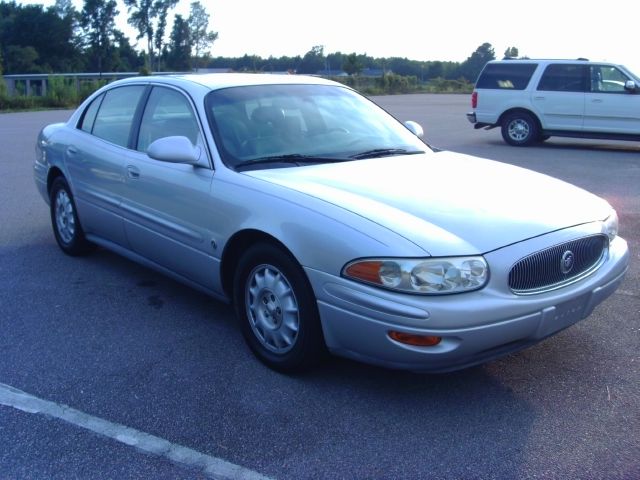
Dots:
pixel 328 224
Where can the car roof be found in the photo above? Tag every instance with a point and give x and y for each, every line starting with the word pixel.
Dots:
pixel 550 60
pixel 215 81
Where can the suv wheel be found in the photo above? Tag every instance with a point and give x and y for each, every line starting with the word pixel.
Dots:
pixel 520 129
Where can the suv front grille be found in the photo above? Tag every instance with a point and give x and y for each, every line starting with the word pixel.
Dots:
pixel 557 266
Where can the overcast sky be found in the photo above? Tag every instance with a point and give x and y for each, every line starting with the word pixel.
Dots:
pixel 419 29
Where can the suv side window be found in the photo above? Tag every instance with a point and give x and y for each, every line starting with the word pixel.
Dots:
pixel 560 77
pixel 506 76
pixel 605 78
pixel 115 116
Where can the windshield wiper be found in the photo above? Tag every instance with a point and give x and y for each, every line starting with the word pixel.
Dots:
pixel 383 152
pixel 292 158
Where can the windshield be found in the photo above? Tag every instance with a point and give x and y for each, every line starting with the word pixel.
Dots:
pixel 278 122
pixel 635 77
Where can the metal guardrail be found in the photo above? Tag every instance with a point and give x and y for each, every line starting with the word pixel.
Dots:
pixel 37 83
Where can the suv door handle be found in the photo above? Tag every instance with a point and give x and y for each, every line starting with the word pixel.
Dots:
pixel 133 172
pixel 538 98
pixel 597 100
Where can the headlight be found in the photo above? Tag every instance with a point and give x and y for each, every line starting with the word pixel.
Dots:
pixel 610 227
pixel 427 276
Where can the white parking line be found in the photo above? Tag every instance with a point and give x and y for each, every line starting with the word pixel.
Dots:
pixel 211 466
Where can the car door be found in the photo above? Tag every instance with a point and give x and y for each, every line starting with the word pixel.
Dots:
pixel 95 159
pixel 560 95
pixel 165 205
pixel 609 107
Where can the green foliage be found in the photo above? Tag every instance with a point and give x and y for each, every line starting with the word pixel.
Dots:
pixel 471 67
pixel 511 52
pixel 149 18
pixel 98 24
pixel 313 60
pixel 352 64
pixel 200 37
pixel 179 51
pixel 61 92
pixel 3 85
pixel 37 40
pixel 443 85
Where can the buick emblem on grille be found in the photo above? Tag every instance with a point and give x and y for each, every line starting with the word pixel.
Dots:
pixel 567 261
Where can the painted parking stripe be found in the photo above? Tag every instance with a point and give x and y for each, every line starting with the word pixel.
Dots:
pixel 211 466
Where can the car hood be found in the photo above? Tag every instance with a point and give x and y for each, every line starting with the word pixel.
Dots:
pixel 446 203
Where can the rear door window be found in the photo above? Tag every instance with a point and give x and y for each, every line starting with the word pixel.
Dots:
pixel 115 116
pixel 506 76
pixel 560 77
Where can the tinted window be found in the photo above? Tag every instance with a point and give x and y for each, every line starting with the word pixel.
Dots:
pixel 89 116
pixel 506 76
pixel 115 116
pixel 605 78
pixel 564 78
pixel 167 113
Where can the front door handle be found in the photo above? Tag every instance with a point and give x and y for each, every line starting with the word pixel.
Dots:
pixel 133 172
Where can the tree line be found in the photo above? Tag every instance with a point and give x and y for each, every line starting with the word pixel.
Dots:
pixel 62 39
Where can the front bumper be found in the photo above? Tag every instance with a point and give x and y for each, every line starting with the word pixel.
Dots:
pixel 475 327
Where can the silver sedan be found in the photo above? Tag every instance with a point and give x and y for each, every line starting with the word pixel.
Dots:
pixel 330 225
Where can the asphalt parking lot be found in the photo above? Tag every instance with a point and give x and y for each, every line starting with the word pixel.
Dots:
pixel 110 370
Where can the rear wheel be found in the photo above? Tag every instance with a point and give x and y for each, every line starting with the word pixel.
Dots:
pixel 64 220
pixel 520 129
pixel 277 309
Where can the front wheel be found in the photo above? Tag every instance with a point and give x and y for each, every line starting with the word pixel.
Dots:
pixel 277 309
pixel 64 220
pixel 520 129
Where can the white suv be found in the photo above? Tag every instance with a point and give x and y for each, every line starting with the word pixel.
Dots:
pixel 532 100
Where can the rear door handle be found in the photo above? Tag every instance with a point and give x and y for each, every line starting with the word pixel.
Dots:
pixel 133 172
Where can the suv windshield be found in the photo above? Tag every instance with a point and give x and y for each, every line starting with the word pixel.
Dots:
pixel 297 122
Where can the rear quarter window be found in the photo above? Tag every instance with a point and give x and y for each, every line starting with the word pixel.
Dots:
pixel 505 76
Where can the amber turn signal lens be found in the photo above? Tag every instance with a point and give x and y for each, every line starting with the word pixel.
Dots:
pixel 367 271
pixel 415 340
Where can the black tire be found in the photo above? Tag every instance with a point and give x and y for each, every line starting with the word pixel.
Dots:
pixel 520 129
pixel 277 309
pixel 64 220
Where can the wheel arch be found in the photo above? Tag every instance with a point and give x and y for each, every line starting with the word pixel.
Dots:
pixel 54 172
pixel 510 111
pixel 234 249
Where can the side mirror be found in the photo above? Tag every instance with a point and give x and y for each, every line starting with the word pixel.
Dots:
pixel 174 150
pixel 415 128
pixel 630 86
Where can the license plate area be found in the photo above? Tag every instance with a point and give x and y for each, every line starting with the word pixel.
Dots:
pixel 563 315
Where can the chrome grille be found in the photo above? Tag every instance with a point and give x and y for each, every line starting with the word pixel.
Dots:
pixel 554 267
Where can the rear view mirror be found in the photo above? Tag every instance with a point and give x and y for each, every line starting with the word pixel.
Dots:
pixel 174 150
pixel 415 128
